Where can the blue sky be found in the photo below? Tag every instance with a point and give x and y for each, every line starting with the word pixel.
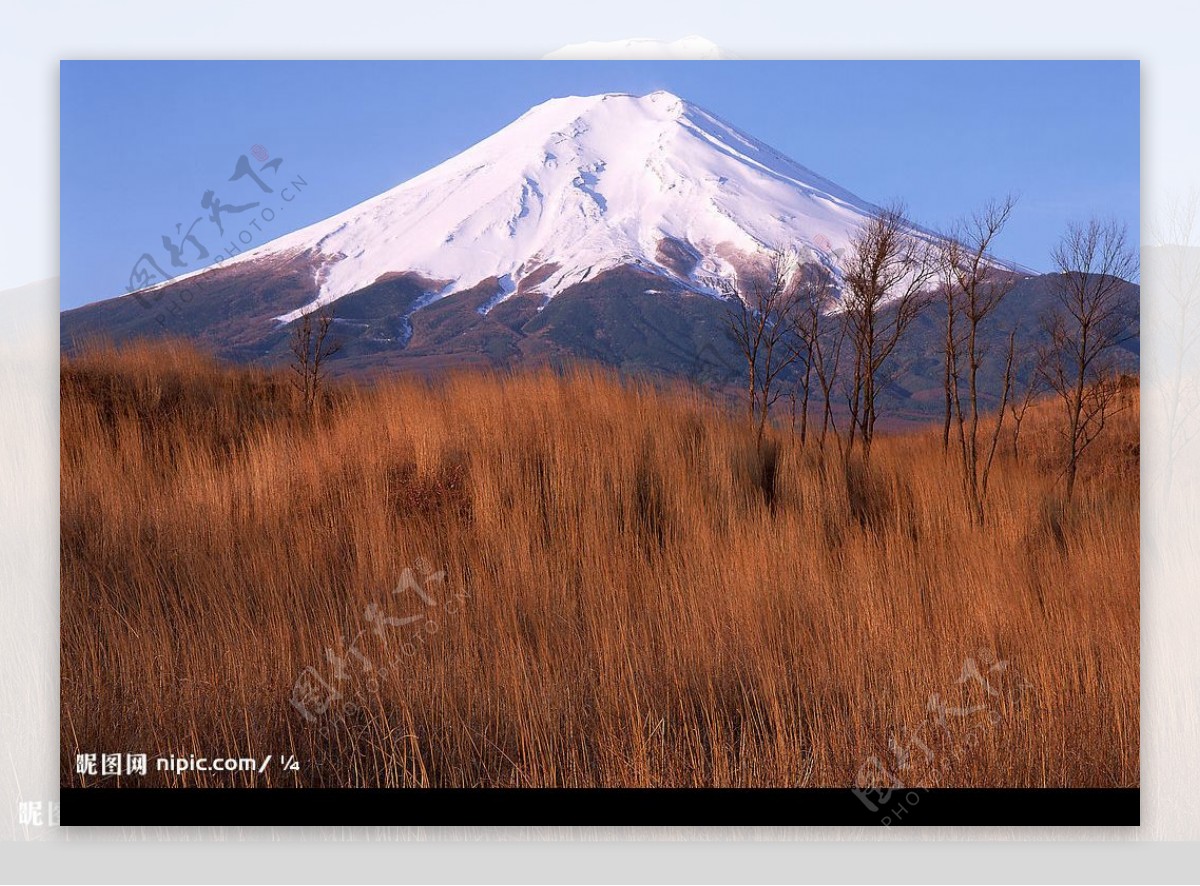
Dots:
pixel 141 142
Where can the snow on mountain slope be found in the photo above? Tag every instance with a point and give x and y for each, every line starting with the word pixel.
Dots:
pixel 585 184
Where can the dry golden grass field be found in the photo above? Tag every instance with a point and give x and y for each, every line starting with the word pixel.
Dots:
pixel 623 591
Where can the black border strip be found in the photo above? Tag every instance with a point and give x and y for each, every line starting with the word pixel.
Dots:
pixel 249 807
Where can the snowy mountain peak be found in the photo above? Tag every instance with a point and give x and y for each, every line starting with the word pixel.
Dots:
pixel 590 228
pixel 578 185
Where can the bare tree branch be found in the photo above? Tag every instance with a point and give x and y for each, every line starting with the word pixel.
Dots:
pixel 310 348
pixel 764 304
pixel 888 271
pixel 1092 317
pixel 973 286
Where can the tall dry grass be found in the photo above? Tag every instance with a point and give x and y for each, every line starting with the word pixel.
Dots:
pixel 631 595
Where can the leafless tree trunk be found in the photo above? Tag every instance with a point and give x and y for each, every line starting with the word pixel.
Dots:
pixel 816 292
pixel 974 287
pixel 827 361
pixel 951 359
pixel 311 347
pixel 1094 309
pixel 762 319
pixel 1018 406
pixel 888 270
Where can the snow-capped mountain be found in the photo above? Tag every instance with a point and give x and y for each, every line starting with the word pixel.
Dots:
pixel 584 184
pixel 590 228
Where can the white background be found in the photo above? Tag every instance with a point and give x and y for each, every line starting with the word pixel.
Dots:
pixel 1162 35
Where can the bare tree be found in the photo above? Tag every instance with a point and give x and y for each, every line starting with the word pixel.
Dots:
pixel 764 302
pixel 827 361
pixel 949 348
pixel 816 290
pixel 974 287
pixel 888 269
pixel 311 347
pixel 1093 312
pixel 1019 402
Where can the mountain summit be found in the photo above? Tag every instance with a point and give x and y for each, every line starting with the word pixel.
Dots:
pixel 587 184
pixel 588 228
pixel 584 184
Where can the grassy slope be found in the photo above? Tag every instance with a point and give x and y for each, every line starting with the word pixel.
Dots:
pixel 621 605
